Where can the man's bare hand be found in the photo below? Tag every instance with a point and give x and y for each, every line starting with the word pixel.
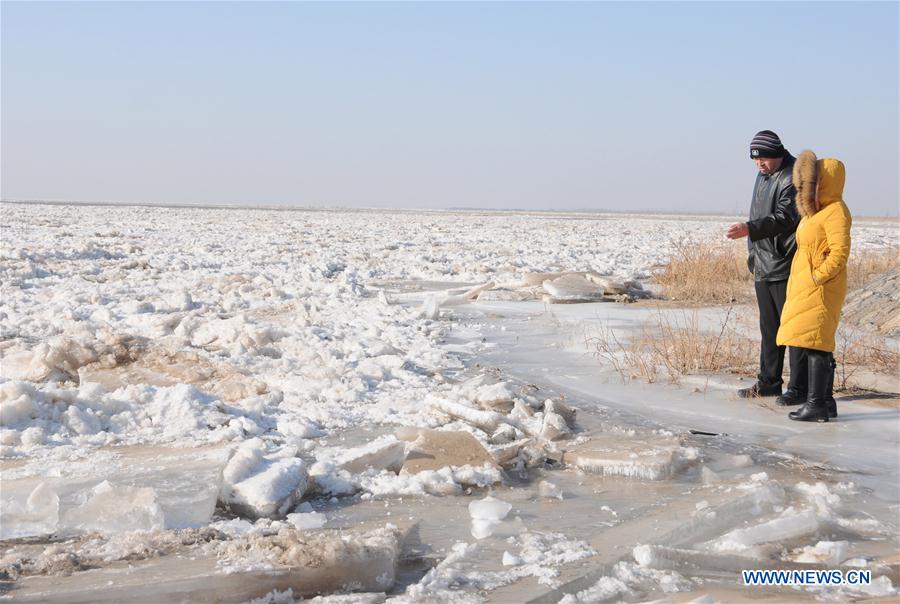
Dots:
pixel 737 230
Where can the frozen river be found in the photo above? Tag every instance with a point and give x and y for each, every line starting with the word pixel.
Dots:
pixel 230 403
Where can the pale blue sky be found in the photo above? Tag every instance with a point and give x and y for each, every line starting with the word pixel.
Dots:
pixel 623 106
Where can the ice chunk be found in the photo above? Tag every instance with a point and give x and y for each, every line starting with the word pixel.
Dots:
pixel 257 486
pixel 486 420
pixel 185 483
pixel 307 520
pixel 521 411
pixel 436 449
pixel 560 408
pixel 307 562
pixel 385 453
pixel 245 459
pixel 504 434
pixel 617 456
pixel 116 508
pixel 510 560
pixel 495 397
pixel 789 525
pixel 489 509
pixel 507 295
pixel 573 288
pixel 831 553
pixel 473 293
pixel 431 308
pixel 734 462
pixel 610 286
pixel 537 278
pixel 298 429
pixel 554 427
pixel 273 488
pixel 510 452
pixel 179 301
pixel 58 359
pixel 486 516
pixel 39 515
pixel 707 476
pixel 33 436
pixel 16 403
pixel 482 528
pixel 549 490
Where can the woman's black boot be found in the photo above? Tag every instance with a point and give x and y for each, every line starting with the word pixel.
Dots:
pixel 815 409
pixel 830 403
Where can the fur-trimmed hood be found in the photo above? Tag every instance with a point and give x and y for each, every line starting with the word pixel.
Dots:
pixel 819 182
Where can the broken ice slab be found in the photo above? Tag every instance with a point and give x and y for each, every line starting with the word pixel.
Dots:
pixel 485 420
pixel 473 293
pixel 790 524
pixel 509 295
pixel 824 552
pixel 436 449
pixel 489 508
pixel 572 288
pixel 554 427
pixel 561 409
pixel 116 508
pixel 495 397
pixel 486 515
pixel 36 514
pixel 616 455
pixel 308 563
pixel 385 453
pixel 260 486
pixel 185 485
pixel 611 286
pixel 537 278
pixel 694 561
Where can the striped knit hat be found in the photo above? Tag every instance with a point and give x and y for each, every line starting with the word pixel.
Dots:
pixel 766 144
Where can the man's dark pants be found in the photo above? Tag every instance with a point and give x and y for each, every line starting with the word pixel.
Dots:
pixel 770 296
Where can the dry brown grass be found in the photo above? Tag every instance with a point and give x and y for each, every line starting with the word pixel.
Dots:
pixel 858 351
pixel 674 345
pixel 716 273
pixel 865 265
pixel 707 273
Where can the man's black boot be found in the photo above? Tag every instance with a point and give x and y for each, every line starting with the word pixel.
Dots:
pixel 791 396
pixel 757 390
pixel 815 408
pixel 830 403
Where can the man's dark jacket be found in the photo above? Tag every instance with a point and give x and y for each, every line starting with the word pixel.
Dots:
pixel 773 222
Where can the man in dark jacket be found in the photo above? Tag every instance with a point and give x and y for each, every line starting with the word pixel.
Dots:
pixel 771 244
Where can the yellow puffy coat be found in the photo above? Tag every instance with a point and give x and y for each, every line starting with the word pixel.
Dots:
pixel 818 281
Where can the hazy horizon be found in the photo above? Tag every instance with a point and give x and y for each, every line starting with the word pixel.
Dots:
pixel 590 107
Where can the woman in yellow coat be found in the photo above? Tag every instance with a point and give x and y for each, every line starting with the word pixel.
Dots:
pixel 818 281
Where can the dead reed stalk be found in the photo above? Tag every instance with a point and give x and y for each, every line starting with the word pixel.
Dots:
pixel 674 345
pixel 866 264
pixel 706 273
